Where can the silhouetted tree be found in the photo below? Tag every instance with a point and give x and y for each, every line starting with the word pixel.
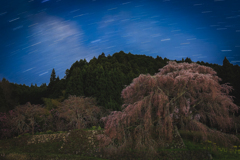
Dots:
pixel 57 88
pixel 101 84
pixel 7 89
pixel 51 83
pixel 76 83
pixel 53 76
pixel 67 74
pixel 90 82
pixel 3 102
pixel 165 60
pixel 93 61
pixel 43 85
pixel 188 60
pixel 101 57
pixel 120 56
pixel 109 56
pixel 159 59
pixel 227 72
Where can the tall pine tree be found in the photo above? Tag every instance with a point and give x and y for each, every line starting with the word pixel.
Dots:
pixel 76 83
pixel 53 76
pixel 51 83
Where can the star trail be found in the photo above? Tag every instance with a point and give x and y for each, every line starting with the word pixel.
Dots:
pixel 39 35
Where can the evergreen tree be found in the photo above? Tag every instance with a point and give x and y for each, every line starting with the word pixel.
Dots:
pixel 52 82
pixel 120 56
pixel 57 79
pixel 188 60
pixel 53 76
pixel 101 57
pixel 227 73
pixel 118 80
pixel 109 57
pixel 76 83
pixel 90 82
pixel 67 74
pixel 43 85
pixel 111 94
pixel 3 102
pixel 159 59
pixel 101 84
pixel 93 61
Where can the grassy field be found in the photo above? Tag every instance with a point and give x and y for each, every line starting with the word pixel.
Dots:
pixel 16 149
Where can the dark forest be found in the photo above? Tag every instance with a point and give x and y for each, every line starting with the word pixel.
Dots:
pixel 104 78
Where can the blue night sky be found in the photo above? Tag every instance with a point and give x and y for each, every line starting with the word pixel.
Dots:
pixel 39 35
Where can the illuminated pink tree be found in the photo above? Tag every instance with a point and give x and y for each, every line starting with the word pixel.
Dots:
pixel 182 94
pixel 80 112
pixel 23 117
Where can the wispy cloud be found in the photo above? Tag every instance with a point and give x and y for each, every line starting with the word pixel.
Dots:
pixel 28 70
pixel 14 19
pixel 126 3
pixel 98 40
pixel 112 8
pixel 43 73
pixel 44 1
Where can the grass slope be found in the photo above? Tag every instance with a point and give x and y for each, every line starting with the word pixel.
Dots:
pixel 14 148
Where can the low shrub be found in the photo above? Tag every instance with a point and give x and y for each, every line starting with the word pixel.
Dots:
pixel 49 132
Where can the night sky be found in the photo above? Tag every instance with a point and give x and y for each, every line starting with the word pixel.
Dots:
pixel 39 35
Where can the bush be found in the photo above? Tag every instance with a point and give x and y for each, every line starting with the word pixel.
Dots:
pixel 27 134
pixel 49 132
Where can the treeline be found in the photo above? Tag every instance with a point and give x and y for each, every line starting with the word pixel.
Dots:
pixel 103 78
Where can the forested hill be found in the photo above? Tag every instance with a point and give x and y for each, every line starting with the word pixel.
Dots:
pixel 103 78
